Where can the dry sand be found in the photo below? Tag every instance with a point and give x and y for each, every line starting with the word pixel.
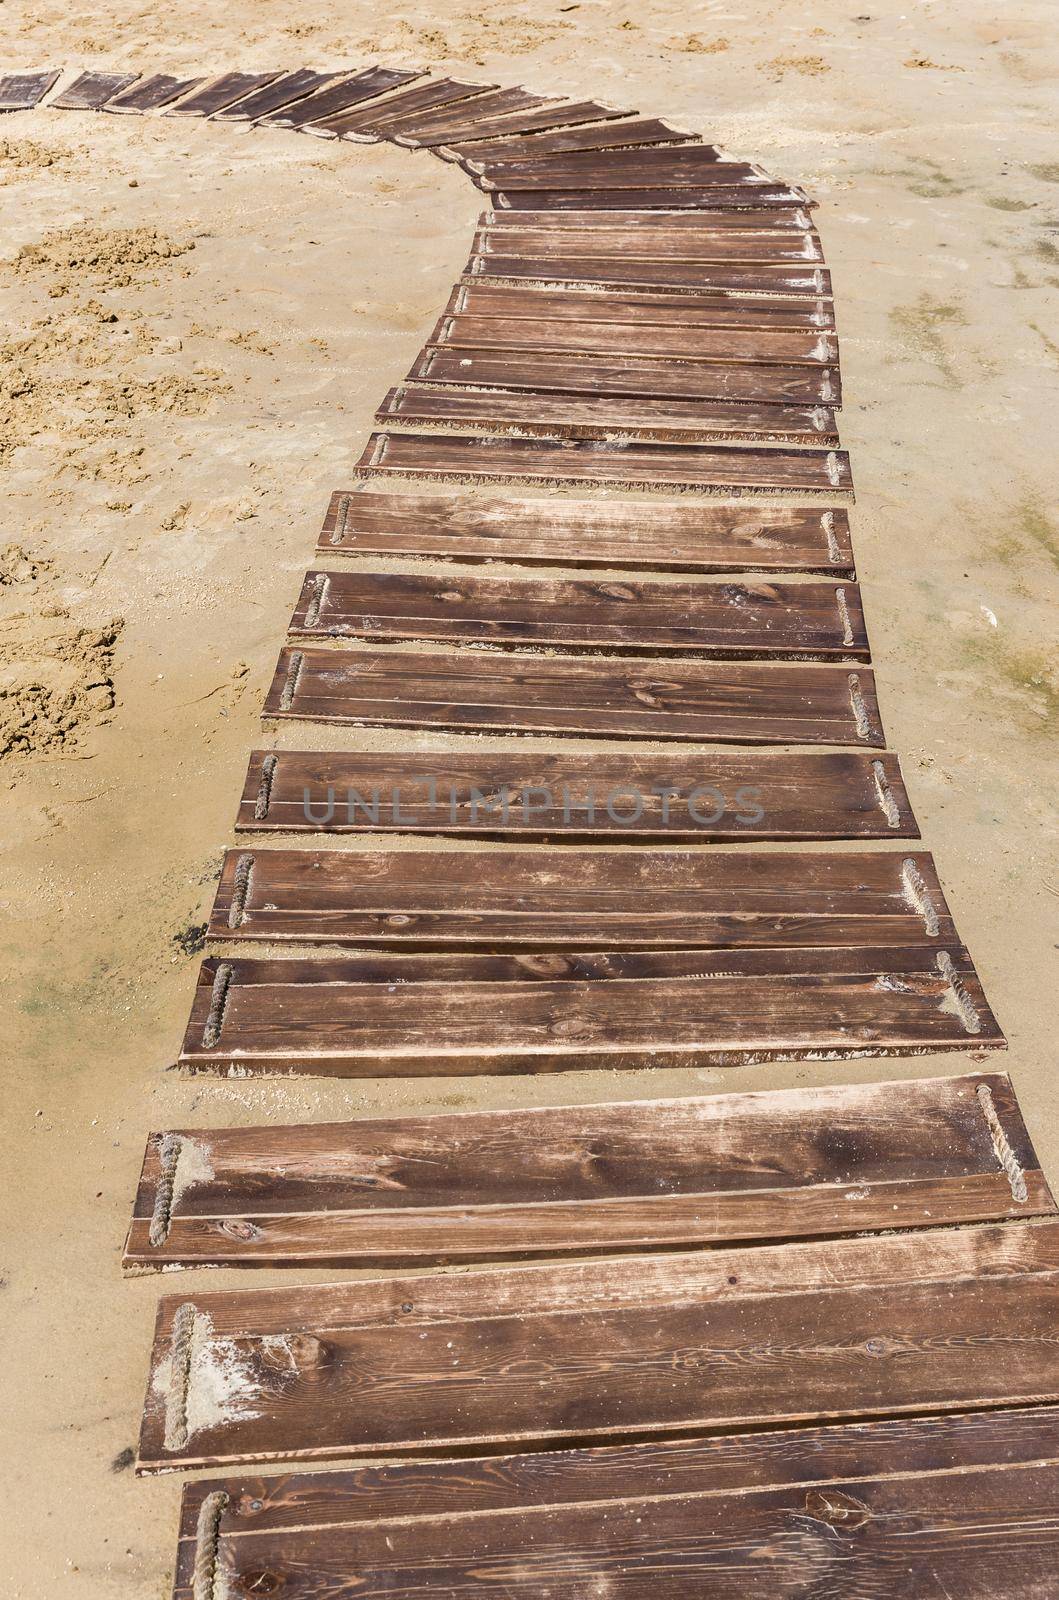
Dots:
pixel 173 419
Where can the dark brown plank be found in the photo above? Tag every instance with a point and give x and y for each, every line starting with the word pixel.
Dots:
pixel 944 1320
pixel 284 91
pixel 404 108
pixel 424 1016
pixel 763 619
pixel 91 90
pixel 217 93
pixel 677 537
pixel 605 136
pixel 452 122
pixel 702 197
pixel 698 166
pixel 562 114
pixel 647 221
pixel 774 347
pixel 764 245
pixel 597 696
pixel 672 277
pixel 151 93
pixel 958 1505
pixel 712 468
pixel 640 310
pixel 590 899
pixel 649 376
pixel 526 415
pixel 339 97
pixel 21 91
pixel 723 796
pixel 427 1190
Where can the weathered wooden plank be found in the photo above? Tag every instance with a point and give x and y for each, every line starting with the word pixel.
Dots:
pixel 413 1018
pixel 678 536
pixel 958 1505
pixel 91 90
pixel 341 96
pixel 21 91
pixel 712 468
pixel 151 93
pixel 284 91
pixel 764 619
pixel 760 245
pixel 646 221
pixel 649 376
pixel 605 136
pixel 404 108
pixel 600 696
pixel 672 277
pixel 641 310
pixel 780 1164
pixel 450 122
pixel 724 796
pixel 562 114
pixel 217 93
pixel 526 415
pixel 512 898
pixel 698 166
pixel 944 1320
pixel 775 347
pixel 702 197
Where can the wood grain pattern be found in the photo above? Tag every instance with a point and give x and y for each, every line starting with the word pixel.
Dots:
pixel 460 1015
pixel 405 107
pixel 601 697
pixel 783 282
pixel 703 197
pixel 731 346
pixel 606 241
pixel 341 96
pixel 150 94
pixel 524 415
pixel 284 91
pixel 616 533
pixel 21 91
pixel 454 122
pixel 528 146
pixel 675 222
pixel 429 1190
pixel 561 114
pixel 216 93
pixel 640 310
pixel 650 1344
pixel 91 90
pixel 587 899
pixel 672 797
pixel 645 376
pixel 764 619
pixel 698 166
pixel 711 468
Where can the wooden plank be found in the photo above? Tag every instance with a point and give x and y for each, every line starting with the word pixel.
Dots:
pixel 597 696
pixel 694 166
pixel 217 93
pixel 452 122
pixel 404 107
pixel 677 536
pixel 604 136
pixel 646 221
pixel 151 93
pixel 284 91
pixel 562 114
pixel 590 899
pixel 959 1505
pixel 91 90
pixel 430 1016
pixel 712 468
pixel 640 310
pixel 21 91
pixel 703 197
pixel 779 1164
pixel 339 97
pixel 505 793
pixel 763 619
pixel 527 415
pixel 673 277
pixel 939 1321
pixel 774 347
pixel 765 245
pixel 649 376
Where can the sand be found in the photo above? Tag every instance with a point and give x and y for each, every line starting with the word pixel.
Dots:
pixel 174 419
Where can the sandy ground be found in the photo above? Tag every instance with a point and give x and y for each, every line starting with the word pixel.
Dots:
pixel 197 324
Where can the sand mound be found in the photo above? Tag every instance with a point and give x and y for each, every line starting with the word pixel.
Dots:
pixel 55 682
pixel 111 258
